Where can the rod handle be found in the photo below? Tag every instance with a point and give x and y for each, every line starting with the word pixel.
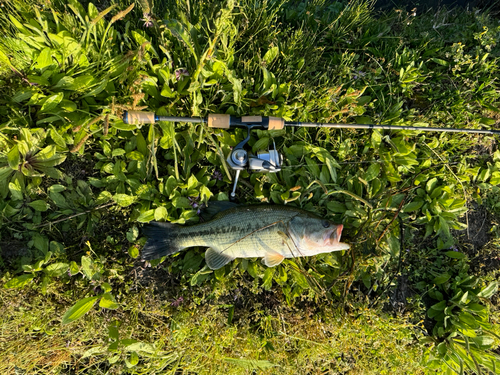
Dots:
pixel 219 121
pixel 138 117
pixel 270 123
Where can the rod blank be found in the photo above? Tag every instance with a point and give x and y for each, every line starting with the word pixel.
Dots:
pixel 389 127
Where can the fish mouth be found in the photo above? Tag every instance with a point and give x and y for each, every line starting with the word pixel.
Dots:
pixel 332 236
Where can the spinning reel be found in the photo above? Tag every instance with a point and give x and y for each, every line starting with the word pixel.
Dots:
pixel 265 161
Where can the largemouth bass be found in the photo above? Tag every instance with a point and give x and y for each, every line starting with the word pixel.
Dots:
pixel 270 232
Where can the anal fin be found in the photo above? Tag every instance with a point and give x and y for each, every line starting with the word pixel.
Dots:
pixel 272 259
pixel 216 260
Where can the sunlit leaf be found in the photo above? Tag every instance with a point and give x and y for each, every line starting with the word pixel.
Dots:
pixel 108 301
pixel 79 309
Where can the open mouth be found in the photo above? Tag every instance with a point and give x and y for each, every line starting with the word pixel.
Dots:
pixel 333 236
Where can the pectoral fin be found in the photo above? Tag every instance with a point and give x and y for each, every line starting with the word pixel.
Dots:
pixel 272 259
pixel 216 260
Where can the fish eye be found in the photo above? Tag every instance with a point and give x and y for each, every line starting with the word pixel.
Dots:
pixel 325 224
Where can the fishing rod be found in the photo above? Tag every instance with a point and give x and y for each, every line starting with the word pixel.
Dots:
pixel 270 161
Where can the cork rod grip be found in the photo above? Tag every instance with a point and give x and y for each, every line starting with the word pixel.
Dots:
pixel 219 121
pixel 139 117
pixel 276 123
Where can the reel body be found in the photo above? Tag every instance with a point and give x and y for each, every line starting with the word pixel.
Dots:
pixel 264 162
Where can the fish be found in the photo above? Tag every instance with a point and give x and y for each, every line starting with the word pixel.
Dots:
pixel 270 232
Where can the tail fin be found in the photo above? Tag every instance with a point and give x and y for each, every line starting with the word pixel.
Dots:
pixel 162 240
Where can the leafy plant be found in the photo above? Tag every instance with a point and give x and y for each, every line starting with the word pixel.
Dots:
pixel 74 175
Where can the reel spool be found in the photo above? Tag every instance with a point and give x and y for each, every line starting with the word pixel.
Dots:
pixel 264 162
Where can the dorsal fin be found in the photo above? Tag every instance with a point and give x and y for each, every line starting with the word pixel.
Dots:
pixel 214 207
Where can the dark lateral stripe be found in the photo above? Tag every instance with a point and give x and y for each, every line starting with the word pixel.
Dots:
pixel 214 231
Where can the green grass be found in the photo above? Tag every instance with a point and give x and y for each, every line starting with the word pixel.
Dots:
pixel 77 184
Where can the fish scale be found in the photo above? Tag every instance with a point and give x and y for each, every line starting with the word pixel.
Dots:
pixel 236 232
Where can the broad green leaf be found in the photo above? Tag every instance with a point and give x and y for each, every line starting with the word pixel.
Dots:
pixel 68 105
pixel 133 359
pixel 483 340
pixel 252 269
pixel 124 200
pixel 44 59
pixel 56 188
pixel 261 144
pixel 268 278
pixel 468 319
pixel 161 213
pixel 431 184
pixel 16 190
pixel 83 82
pixel 142 146
pixel 19 281
pixel 41 243
pixel 439 61
pixel 455 254
pixel 146 217
pixel 180 32
pixel 132 234
pixel 56 247
pixel 336 207
pixel 52 102
pixel 413 206
pixel 488 291
pixel 118 152
pixel 135 155
pixel 39 80
pixel 138 346
pixel 73 268
pixel 170 185
pixel 181 202
pixel 46 153
pixel 96 90
pixel 108 301
pixel 49 158
pixel 13 158
pixel 39 205
pixel 79 309
pixel 495 178
pixel 23 94
pixel 442 348
pixel 59 200
pixel 57 138
pixel 300 279
pixel 133 251
pixel 205 194
pixel 487 121
pixel 56 269
pixel 271 54
pixel 66 82
pixel 439 306
pixel 372 172
pixel 441 279
pixel 4 59
pixel 331 164
pixel 87 267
